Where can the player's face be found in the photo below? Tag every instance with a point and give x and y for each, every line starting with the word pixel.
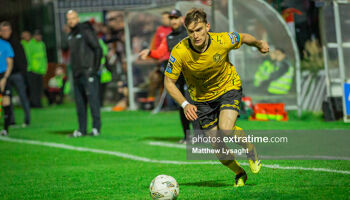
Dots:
pixel 72 19
pixel 198 33
pixel 175 22
pixel 6 32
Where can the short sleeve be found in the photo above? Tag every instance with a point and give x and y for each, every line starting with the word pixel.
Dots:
pixel 235 40
pixel 9 51
pixel 174 66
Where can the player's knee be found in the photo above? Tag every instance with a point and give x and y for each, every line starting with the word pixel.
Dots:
pixel 226 127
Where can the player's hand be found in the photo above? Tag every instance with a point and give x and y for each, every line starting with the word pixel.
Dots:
pixel 263 46
pixel 190 112
pixel 2 84
pixel 144 54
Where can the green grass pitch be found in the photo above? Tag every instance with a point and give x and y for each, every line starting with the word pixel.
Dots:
pixel 29 171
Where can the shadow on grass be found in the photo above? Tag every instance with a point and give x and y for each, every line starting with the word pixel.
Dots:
pixel 164 139
pixel 62 132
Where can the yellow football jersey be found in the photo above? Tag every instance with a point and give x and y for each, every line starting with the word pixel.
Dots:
pixel 209 74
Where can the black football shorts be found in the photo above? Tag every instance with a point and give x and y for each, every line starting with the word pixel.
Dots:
pixel 208 111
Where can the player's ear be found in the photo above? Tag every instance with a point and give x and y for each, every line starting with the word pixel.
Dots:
pixel 208 27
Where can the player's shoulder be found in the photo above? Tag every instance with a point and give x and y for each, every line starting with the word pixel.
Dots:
pixel 226 37
pixel 181 47
pixel 4 43
pixel 221 37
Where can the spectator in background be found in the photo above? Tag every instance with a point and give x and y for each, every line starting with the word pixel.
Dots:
pixel 275 75
pixel 26 36
pixel 161 32
pixel 115 21
pixel 6 63
pixel 156 76
pixel 57 87
pixel 18 73
pixel 168 43
pixel 105 73
pixel 85 60
pixel 37 69
pixel 64 44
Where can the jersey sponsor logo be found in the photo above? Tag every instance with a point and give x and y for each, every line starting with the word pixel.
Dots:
pixel 169 68
pixel 217 57
pixel 172 59
pixel 235 38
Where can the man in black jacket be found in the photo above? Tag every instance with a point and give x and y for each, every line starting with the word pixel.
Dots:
pixel 178 33
pixel 85 57
pixel 18 74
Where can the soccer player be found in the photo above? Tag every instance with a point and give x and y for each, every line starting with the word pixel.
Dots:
pixel 212 81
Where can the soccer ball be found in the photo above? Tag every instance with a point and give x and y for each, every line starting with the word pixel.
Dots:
pixel 164 187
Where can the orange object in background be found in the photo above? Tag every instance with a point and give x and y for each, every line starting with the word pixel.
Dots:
pixel 269 112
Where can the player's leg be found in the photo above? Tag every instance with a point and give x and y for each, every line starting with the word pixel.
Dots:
pixel 227 121
pixel 253 160
pixel 17 80
pixel 7 114
pixel 185 124
pixel 208 116
pixel 180 84
pixel 92 90
pixel 81 106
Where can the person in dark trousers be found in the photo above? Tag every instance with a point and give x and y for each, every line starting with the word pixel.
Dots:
pixel 178 33
pixel 6 64
pixel 18 74
pixel 85 60
pixel 37 69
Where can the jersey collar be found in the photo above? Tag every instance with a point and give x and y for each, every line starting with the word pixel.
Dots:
pixel 209 42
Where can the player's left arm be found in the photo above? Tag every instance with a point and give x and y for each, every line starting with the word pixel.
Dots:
pixel 250 40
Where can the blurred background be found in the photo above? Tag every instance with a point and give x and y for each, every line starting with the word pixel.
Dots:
pixel 311 36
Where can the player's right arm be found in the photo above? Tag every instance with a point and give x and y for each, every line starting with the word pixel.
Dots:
pixel 172 73
pixel 189 109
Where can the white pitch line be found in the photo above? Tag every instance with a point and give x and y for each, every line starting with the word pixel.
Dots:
pixel 165 144
pixel 143 159
pixel 267 157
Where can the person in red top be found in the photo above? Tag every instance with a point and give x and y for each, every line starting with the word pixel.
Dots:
pixel 156 75
pixel 161 33
pixel 178 33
